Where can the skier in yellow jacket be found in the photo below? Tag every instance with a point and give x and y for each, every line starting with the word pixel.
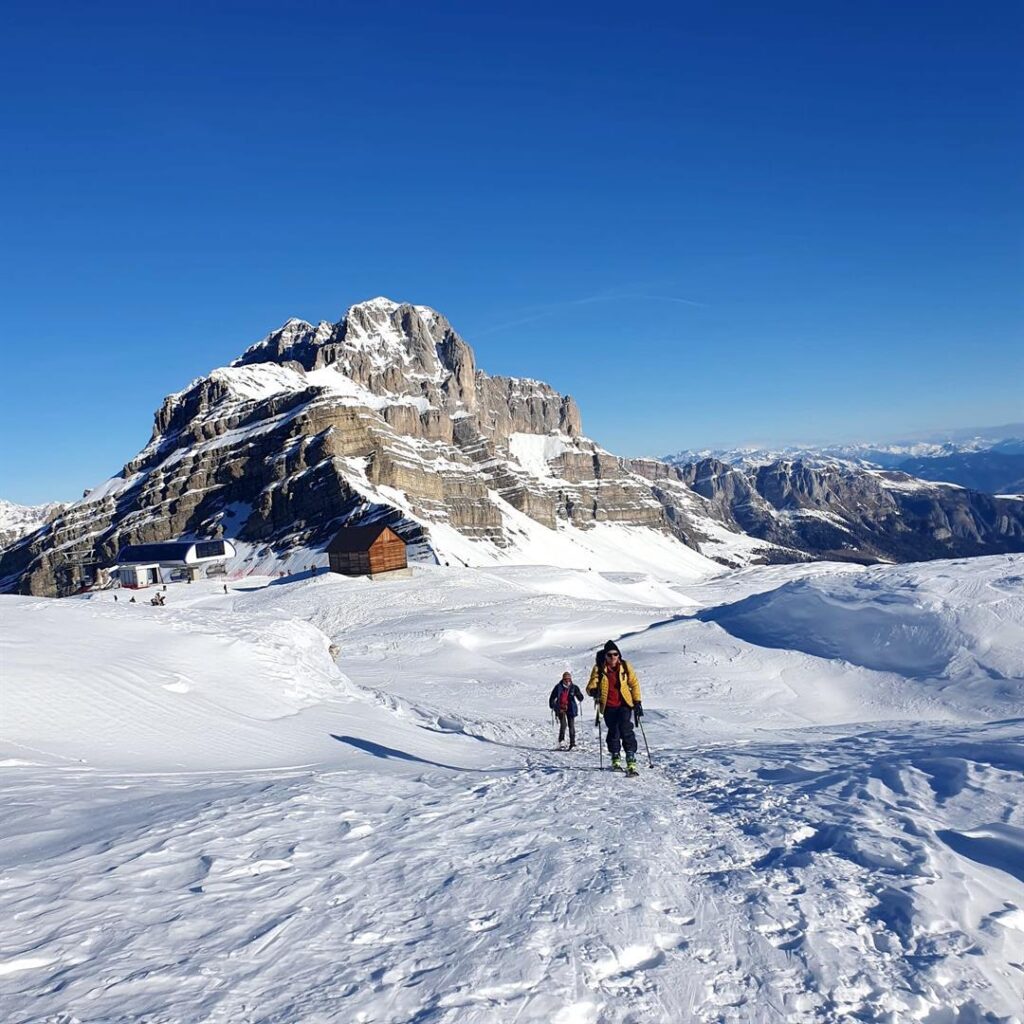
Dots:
pixel 616 691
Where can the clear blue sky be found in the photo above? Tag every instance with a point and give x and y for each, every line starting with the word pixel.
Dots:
pixel 710 222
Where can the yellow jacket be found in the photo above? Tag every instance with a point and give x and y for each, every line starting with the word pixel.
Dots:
pixel 629 685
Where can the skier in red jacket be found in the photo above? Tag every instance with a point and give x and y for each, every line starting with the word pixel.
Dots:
pixel 563 701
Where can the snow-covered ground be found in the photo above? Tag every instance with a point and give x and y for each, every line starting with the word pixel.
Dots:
pixel 212 816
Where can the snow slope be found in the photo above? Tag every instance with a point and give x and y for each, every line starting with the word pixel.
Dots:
pixel 211 820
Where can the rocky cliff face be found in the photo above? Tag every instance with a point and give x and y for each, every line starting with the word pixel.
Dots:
pixel 993 471
pixel 385 415
pixel 839 511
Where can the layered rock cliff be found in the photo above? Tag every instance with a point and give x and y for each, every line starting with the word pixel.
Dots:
pixel 841 511
pixel 383 414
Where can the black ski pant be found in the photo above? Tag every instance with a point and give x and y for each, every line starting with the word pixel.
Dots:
pixel 619 722
pixel 564 718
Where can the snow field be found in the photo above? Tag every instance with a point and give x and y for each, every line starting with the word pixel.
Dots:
pixel 209 820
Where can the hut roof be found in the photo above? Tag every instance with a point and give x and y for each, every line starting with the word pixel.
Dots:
pixel 350 539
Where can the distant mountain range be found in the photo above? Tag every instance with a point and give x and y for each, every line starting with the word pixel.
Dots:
pixel 997 470
pixel 384 416
pixel 990 459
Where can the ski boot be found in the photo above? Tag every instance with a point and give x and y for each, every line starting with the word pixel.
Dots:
pixel 616 763
pixel 631 768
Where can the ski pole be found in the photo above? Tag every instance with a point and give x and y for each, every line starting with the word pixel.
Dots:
pixel 640 722
pixel 600 745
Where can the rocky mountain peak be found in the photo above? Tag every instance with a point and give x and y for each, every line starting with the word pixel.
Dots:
pixel 384 346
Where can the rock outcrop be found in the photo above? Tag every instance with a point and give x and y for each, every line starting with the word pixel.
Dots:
pixel 839 511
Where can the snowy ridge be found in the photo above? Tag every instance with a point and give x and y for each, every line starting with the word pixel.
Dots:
pixel 259 381
pixel 17 521
pixel 893 619
pixel 862 453
pixel 904 482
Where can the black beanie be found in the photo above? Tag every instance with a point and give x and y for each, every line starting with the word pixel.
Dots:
pixel 611 646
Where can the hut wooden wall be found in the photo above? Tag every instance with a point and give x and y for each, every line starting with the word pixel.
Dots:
pixel 387 552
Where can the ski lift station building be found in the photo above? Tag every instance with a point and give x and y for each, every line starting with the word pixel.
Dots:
pixel 367 551
pixel 141 565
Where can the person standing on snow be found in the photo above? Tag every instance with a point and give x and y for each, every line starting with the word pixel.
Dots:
pixel 563 701
pixel 616 691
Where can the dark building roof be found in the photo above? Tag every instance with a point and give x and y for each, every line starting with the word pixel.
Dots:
pixel 350 539
pixel 174 551
pixel 171 551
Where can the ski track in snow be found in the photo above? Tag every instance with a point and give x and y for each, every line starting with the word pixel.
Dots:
pixel 846 871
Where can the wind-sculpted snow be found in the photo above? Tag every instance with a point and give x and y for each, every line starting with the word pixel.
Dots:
pixel 208 820
pixel 941 623
pixel 146 688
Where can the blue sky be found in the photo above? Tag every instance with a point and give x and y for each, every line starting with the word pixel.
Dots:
pixel 712 223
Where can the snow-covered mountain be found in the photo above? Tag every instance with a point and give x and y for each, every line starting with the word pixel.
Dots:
pixel 996 470
pixel 385 416
pixel 843 511
pixel 884 455
pixel 17 521
pixel 382 415
pixel 990 461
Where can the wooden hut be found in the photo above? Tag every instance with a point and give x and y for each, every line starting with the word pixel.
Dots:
pixel 366 551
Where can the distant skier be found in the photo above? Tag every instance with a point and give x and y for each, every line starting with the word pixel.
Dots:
pixel 563 701
pixel 616 691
